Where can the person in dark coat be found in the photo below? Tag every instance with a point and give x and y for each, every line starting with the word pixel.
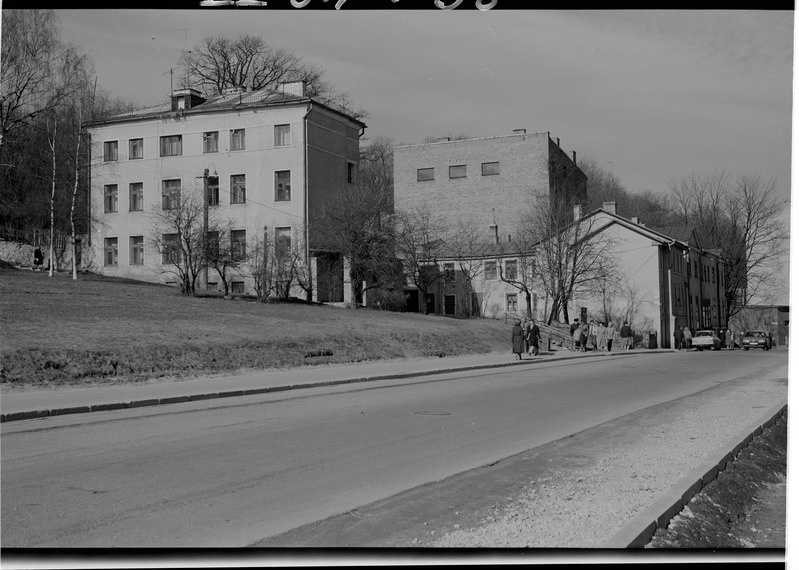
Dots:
pixel 534 336
pixel 677 338
pixel 517 337
pixel 38 258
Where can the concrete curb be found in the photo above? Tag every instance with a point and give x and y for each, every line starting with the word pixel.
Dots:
pixel 640 530
pixel 34 414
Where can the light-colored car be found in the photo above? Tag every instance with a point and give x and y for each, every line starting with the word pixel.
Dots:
pixel 706 339
pixel 757 339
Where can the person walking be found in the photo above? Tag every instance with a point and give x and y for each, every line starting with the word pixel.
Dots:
pixel 517 338
pixel 601 336
pixel 577 333
pixel 686 333
pixel 535 334
pixel 626 336
pixel 583 336
pixel 678 338
pixel 723 338
pixel 610 334
pixel 38 259
pixel 592 334
pixel 573 327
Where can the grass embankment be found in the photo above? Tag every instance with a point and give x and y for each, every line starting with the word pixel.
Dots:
pixel 56 331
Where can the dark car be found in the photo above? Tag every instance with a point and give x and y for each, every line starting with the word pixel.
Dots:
pixel 757 339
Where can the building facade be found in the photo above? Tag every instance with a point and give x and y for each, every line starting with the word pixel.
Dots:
pixel 266 162
pixel 490 184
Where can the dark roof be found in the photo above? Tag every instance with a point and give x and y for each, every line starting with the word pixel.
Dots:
pixel 230 101
pixel 488 249
pixel 681 233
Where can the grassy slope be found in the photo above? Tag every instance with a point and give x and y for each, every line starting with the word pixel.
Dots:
pixel 58 331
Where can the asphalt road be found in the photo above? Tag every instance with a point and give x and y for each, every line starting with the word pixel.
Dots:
pixel 232 472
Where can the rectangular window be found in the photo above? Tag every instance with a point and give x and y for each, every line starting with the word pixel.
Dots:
pixel 490 168
pixel 457 171
pixel 238 244
pixel 237 287
pixel 111 252
pixel 211 286
pixel 449 271
pixel 511 303
pixel 282 242
pixel 136 196
pixel 238 189
pixel 510 269
pixel 170 194
pixel 490 270
pixel 172 145
pixel 351 172
pixel 237 139
pixel 211 142
pixel 136 149
pixel 170 252
pixel 110 151
pixel 137 250
pixel 282 185
pixel 282 135
pixel 111 197
pixel 424 174
pixel 213 191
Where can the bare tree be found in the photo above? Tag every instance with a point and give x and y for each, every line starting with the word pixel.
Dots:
pixel 177 228
pixel 225 250
pixel 419 242
pixel 572 255
pixel 356 222
pixel 740 219
pixel 38 71
pixel 217 63
pixel 469 247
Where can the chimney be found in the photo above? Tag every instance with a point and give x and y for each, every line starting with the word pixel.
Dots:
pixel 293 88
pixel 574 156
pixel 609 207
pixel 635 220
pixel 519 131
pixel 558 141
pixel 495 230
pixel 443 139
pixel 578 212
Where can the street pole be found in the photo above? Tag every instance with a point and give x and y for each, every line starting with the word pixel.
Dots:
pixel 205 226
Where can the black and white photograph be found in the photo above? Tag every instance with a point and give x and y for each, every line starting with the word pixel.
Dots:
pixel 314 282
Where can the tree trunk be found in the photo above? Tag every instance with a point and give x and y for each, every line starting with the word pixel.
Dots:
pixel 72 206
pixel 52 198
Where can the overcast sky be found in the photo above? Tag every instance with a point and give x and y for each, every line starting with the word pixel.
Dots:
pixel 649 94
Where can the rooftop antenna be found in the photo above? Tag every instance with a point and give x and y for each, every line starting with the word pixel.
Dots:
pixel 171 88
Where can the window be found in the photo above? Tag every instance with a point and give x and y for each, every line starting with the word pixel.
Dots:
pixel 170 252
pixel 282 242
pixel 237 287
pixel 424 174
pixel 172 145
pixel 238 244
pixel 282 135
pixel 111 196
pixel 136 149
pixel 282 185
pixel 211 286
pixel 237 139
pixel 136 196
pixel 170 194
pixel 490 270
pixel 237 189
pixel 110 151
pixel 136 250
pixel 457 171
pixel 449 271
pixel 351 172
pixel 510 269
pixel 511 302
pixel 695 271
pixel 211 141
pixel 490 168
pixel 111 252
pixel 213 190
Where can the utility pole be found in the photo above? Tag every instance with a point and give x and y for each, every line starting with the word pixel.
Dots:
pixel 205 226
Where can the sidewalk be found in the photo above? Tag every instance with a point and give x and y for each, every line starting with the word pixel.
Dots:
pixel 42 403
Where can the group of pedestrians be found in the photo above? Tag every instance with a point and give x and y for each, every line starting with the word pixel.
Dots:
pixel 525 338
pixel 599 336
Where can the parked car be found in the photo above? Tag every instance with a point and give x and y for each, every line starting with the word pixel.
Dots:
pixel 706 339
pixel 757 339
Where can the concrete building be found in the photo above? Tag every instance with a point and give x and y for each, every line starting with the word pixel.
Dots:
pixel 488 182
pixel 269 158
